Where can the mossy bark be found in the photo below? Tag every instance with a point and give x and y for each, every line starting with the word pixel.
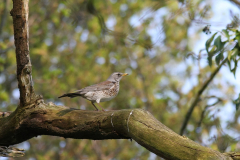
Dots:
pixel 139 125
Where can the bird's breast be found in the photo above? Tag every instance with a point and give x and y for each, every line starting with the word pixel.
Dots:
pixel 113 91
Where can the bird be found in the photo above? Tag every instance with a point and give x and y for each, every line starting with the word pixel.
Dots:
pixel 101 92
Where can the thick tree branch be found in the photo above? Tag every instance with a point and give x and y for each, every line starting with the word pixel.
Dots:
pixel 199 93
pixel 139 125
pixel 233 155
pixel 21 37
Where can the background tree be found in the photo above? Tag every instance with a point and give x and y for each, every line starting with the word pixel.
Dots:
pixel 75 44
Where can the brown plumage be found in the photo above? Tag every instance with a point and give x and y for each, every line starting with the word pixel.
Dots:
pixel 101 92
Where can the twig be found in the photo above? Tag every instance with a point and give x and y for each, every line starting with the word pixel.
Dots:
pixel 205 109
pixel 196 100
pixel 235 2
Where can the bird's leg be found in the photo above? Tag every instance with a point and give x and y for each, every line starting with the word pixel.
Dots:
pixel 94 106
pixel 98 101
pixel 101 107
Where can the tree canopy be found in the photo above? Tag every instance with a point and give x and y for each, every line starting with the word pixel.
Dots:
pixel 74 44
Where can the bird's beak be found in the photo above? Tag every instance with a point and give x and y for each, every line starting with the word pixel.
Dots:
pixel 124 74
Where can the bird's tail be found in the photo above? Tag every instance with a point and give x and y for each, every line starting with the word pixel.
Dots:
pixel 71 95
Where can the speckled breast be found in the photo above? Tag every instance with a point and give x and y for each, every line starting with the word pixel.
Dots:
pixel 111 93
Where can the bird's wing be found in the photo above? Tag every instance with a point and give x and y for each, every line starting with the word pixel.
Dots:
pixel 106 85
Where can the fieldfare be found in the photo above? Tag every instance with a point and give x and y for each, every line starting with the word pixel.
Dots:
pixel 101 92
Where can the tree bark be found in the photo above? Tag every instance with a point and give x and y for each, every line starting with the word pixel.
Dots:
pixel 139 125
pixel 19 14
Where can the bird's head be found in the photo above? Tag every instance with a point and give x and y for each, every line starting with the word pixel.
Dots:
pixel 116 76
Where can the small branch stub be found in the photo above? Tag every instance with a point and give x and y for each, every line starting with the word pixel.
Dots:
pixel 128 119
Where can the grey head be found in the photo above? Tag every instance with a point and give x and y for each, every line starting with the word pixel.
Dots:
pixel 116 76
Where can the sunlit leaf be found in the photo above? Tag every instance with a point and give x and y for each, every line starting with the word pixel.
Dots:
pixel 211 54
pixel 226 33
pixel 229 55
pixel 209 41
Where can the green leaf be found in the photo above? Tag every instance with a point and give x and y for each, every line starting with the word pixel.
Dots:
pixel 237 102
pixel 229 64
pixel 235 52
pixel 235 67
pixel 229 55
pixel 238 39
pixel 217 42
pixel 219 57
pixel 209 41
pixel 226 33
pixel 233 30
pixel 211 54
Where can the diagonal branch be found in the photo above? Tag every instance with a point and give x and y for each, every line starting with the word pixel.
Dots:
pixel 19 14
pixel 199 93
pixel 205 109
pixel 236 2
pixel 139 125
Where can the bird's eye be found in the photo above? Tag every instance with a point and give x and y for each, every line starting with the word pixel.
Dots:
pixel 119 74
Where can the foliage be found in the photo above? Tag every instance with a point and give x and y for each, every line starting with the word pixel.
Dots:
pixel 74 44
pixel 231 45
